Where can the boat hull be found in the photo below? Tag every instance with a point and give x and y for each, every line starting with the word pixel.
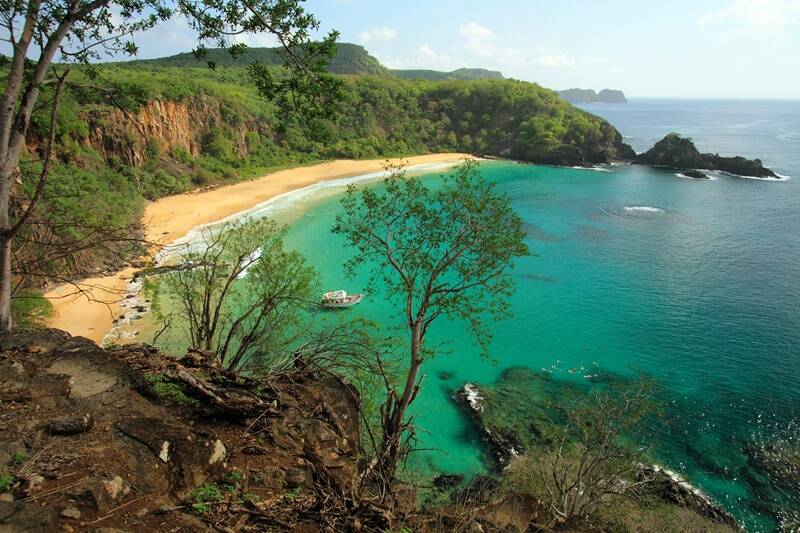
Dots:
pixel 339 303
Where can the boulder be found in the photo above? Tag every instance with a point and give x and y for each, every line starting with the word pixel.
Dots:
pixel 695 174
pixel 71 512
pixel 19 517
pixel 70 425
pixel 189 456
pixel 101 494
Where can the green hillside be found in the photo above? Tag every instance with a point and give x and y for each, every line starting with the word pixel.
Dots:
pixel 183 127
pixel 459 74
pixel 349 59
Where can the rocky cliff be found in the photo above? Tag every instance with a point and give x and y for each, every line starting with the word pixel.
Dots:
pixel 128 137
pixel 679 152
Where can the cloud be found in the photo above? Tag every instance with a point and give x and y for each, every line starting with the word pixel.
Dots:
pixel 553 60
pixel 549 58
pixel 381 35
pixel 482 43
pixel 436 60
pixel 479 38
pixel 756 15
pixel 258 40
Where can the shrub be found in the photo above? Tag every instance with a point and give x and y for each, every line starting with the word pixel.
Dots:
pixel 168 390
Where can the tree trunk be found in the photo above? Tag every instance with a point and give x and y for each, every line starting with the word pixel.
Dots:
pixel 393 432
pixel 5 284
pixel 5 254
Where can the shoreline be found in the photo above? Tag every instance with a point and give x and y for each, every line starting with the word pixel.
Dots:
pixel 91 312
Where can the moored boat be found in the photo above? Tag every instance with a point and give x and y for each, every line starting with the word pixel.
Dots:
pixel 340 298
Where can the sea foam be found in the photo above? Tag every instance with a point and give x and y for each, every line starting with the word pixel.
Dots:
pixel 645 208
pixel 708 174
pixel 596 168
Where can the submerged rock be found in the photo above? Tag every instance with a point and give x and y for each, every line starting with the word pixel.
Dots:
pixel 503 445
pixel 779 461
pixel 679 152
pixel 446 481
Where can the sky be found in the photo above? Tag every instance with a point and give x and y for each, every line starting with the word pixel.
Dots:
pixel 676 48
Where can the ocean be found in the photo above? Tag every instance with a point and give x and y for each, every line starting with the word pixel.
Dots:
pixel 695 284
pixel 637 272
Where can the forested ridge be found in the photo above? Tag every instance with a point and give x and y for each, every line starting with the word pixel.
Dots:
pixel 175 128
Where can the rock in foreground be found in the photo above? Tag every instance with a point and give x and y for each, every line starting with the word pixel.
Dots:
pixel 680 153
pixel 128 438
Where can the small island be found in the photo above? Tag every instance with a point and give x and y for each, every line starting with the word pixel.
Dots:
pixel 675 151
pixel 589 96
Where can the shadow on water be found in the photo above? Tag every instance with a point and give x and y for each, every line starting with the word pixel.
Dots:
pixel 539 277
pixel 534 232
pixel 589 233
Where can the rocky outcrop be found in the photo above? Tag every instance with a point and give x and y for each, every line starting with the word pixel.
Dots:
pixel 503 444
pixel 695 174
pixel 88 440
pixel 678 152
pixel 612 96
pixel 671 488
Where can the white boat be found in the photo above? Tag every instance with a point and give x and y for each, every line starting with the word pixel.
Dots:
pixel 340 299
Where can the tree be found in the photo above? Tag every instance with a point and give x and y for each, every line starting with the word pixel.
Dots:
pixel 80 31
pixel 435 252
pixel 242 295
pixel 589 462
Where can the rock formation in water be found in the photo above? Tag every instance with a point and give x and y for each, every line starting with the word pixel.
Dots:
pixel 589 96
pixel 680 153
pixel 505 440
pixel 695 174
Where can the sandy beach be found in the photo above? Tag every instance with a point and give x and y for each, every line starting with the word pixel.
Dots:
pixel 91 313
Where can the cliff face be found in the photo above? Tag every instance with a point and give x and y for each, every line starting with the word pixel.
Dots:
pixel 175 125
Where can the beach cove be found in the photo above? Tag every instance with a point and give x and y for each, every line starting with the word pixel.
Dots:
pixel 88 307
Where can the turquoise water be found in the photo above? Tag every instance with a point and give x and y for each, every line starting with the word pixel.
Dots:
pixel 694 283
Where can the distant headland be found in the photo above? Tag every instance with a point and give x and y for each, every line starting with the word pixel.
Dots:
pixel 589 96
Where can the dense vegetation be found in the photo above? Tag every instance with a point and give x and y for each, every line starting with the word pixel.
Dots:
pixel 349 59
pixel 114 153
pixel 458 74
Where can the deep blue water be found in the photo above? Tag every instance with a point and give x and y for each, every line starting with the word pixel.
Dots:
pixel 766 129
